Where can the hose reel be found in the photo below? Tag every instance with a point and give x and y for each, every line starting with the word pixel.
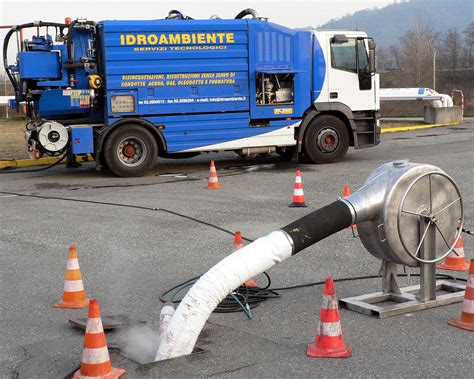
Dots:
pixel 46 137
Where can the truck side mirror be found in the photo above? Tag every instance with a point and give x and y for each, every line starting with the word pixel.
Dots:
pixel 372 61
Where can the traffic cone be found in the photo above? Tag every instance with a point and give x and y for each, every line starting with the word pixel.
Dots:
pixel 455 261
pixel 298 194
pixel 238 244
pixel 467 314
pixel 213 181
pixel 329 341
pixel 74 295
pixel 345 193
pixel 95 361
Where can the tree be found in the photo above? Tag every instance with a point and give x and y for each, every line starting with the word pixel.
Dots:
pixel 383 60
pixel 469 42
pixel 395 53
pixel 452 46
pixel 418 48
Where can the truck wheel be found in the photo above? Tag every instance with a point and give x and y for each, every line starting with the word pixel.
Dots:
pixel 326 140
pixel 130 150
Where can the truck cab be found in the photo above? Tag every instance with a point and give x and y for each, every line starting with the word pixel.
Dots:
pixel 351 86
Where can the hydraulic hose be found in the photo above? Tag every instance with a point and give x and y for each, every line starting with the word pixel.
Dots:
pixel 16 28
pixel 174 14
pixel 246 12
pixel 6 42
pixel 71 65
pixel 318 225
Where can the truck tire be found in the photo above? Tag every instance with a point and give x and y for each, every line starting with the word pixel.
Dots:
pixel 130 150
pixel 326 140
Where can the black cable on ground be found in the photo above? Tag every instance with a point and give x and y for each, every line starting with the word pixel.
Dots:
pixel 13 170
pixel 349 279
pixel 203 223
pixel 124 206
pixel 471 233
pixel 245 298
pixel 249 297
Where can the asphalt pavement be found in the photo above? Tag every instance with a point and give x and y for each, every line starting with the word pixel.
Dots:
pixel 137 237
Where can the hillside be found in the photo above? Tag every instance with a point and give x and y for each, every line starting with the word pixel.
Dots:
pixel 387 25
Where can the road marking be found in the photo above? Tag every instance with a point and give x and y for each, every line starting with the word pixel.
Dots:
pixel 415 127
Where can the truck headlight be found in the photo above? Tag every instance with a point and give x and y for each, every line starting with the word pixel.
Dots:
pixel 122 104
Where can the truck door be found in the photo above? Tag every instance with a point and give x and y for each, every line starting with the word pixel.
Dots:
pixel 279 71
pixel 350 80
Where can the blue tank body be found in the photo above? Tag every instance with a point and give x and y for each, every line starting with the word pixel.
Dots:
pixel 198 79
pixel 199 85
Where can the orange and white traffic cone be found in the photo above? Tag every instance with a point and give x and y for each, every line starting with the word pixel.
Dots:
pixel 239 244
pixel 467 314
pixel 298 194
pixel 95 361
pixel 74 295
pixel 329 341
pixel 213 181
pixel 345 193
pixel 455 261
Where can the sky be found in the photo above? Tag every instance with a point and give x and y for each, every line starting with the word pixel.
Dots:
pixel 290 13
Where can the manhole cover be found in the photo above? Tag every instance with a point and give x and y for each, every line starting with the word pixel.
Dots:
pixel 109 322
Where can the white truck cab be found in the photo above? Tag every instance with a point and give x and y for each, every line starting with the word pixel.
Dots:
pixel 350 82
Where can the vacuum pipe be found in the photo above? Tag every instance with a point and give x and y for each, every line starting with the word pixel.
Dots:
pixel 201 300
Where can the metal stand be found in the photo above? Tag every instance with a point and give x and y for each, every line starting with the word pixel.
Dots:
pixel 429 294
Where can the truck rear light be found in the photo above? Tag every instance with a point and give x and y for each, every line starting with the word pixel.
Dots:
pixel 122 104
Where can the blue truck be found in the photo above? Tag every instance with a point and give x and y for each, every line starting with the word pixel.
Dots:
pixel 127 92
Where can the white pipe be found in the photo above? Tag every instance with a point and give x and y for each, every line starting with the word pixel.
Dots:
pixel 437 100
pixel 166 314
pixel 196 307
pixel 445 101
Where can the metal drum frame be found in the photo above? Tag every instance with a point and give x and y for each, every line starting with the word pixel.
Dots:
pixel 430 293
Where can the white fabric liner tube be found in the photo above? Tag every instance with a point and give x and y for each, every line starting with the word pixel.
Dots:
pixel 166 315
pixel 201 300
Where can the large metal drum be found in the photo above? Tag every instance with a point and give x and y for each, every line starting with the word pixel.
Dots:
pixel 403 205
